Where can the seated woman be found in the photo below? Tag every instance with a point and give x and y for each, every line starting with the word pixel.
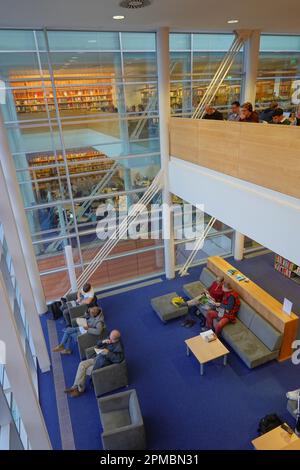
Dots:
pixel 215 291
pixel 226 311
pixel 85 296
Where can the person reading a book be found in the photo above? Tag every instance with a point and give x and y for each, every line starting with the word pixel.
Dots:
pixel 85 296
pixel 206 299
pixel 215 291
pixel 92 323
pixel 226 311
pixel 109 351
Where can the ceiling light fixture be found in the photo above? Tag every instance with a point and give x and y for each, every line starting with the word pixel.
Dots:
pixel 92 40
pixel 118 17
pixel 232 21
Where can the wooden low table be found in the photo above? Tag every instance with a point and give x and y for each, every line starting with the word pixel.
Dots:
pixel 206 352
pixel 277 439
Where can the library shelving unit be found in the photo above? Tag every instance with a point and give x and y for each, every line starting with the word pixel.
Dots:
pixel 80 161
pixel 80 97
pixel 287 268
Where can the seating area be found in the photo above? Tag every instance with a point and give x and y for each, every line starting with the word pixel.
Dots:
pixel 251 337
pixel 168 384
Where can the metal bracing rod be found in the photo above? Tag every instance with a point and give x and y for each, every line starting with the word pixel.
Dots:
pixel 94 265
pixel 218 79
pixel 235 46
pixel 192 255
pixel 121 230
pixel 136 207
pixel 225 65
pixel 196 247
pixel 216 89
pixel 218 72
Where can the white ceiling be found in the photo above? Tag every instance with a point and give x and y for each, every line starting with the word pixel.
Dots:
pixel 280 16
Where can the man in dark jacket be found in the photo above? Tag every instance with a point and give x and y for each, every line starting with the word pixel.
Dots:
pixel 212 113
pixel 109 351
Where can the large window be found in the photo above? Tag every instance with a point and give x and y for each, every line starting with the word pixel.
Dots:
pixel 81 114
pixel 194 60
pixel 279 71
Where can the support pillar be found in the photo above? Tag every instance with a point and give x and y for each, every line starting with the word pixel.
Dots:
pixel 71 268
pixel 20 378
pixel 21 268
pixel 21 220
pixel 239 241
pixel 163 65
pixel 251 58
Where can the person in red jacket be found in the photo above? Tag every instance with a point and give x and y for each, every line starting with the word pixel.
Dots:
pixel 226 311
pixel 215 291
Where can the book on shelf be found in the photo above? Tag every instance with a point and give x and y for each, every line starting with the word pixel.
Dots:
pixel 286 267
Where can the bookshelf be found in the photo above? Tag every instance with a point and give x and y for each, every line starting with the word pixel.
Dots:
pixel 81 160
pixel 77 98
pixel 287 268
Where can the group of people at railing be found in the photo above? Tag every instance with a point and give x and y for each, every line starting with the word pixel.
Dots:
pixel 245 113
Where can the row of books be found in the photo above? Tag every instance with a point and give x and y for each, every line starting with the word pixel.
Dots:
pixel 284 262
pixel 285 271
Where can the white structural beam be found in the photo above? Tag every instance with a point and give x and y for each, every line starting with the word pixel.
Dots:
pixel 268 217
pixel 251 59
pixel 15 249
pixel 20 218
pixel 163 65
pixel 20 378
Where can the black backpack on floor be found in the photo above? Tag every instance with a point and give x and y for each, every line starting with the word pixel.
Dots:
pixel 54 308
pixel 268 423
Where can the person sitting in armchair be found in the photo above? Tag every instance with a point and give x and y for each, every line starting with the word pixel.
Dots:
pixel 94 325
pixel 226 311
pixel 111 352
pixel 85 296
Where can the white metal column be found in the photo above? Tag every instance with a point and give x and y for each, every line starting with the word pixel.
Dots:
pixel 239 241
pixel 163 65
pixel 21 268
pixel 251 58
pixel 20 378
pixel 20 218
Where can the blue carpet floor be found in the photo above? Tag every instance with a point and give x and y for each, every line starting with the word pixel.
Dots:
pixel 182 410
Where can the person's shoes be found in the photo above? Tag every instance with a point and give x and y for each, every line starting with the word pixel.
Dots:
pixel 190 323
pixel 293 395
pixel 69 390
pixel 66 352
pixel 184 323
pixel 75 393
pixel 58 348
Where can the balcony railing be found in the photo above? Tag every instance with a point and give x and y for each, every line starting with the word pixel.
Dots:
pixel 263 154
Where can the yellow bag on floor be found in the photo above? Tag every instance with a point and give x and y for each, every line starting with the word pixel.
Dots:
pixel 178 301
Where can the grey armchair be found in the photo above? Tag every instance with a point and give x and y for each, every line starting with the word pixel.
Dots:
pixel 88 342
pixel 110 378
pixel 122 422
pixel 77 312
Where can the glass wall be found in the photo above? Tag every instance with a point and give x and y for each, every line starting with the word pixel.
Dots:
pixel 279 71
pixel 81 114
pixel 194 60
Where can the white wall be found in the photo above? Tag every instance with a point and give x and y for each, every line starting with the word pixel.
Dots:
pixel 268 217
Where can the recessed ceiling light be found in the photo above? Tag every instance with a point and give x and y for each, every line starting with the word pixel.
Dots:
pixel 92 40
pixel 232 21
pixel 118 17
